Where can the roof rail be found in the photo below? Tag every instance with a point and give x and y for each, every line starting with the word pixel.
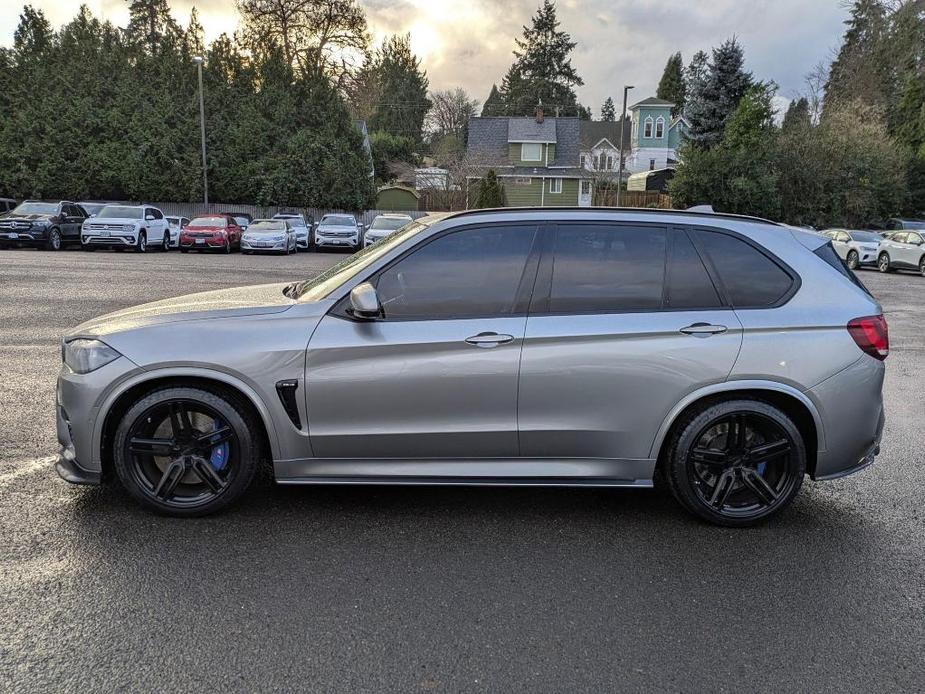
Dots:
pixel 700 210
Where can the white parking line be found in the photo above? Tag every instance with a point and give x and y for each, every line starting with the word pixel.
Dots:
pixel 25 467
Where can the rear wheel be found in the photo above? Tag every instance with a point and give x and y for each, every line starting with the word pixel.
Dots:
pixel 186 451
pixel 736 463
pixel 854 260
pixel 883 263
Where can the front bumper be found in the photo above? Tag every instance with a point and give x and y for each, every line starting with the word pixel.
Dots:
pixel 867 257
pixel 337 241
pixel 201 244
pixel 265 246
pixel 370 240
pixel 30 238
pixel 121 241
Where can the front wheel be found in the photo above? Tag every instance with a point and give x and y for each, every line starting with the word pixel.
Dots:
pixel 854 260
pixel 883 263
pixel 186 451
pixel 141 246
pixel 922 266
pixel 165 242
pixel 54 240
pixel 736 463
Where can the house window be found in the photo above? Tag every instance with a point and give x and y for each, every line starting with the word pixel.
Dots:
pixel 647 131
pixel 584 161
pixel 523 181
pixel 555 185
pixel 531 151
pixel 586 188
pixel 609 163
pixel 660 127
pixel 651 165
pixel 597 162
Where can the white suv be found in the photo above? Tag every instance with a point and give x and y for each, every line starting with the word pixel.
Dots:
pixel 126 226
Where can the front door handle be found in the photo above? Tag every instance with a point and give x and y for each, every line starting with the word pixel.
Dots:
pixel 704 329
pixel 489 339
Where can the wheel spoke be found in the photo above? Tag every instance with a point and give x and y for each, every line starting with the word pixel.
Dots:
pixel 170 479
pixel 208 475
pixel 143 446
pixel 179 420
pixel 215 438
pixel 767 451
pixel 737 437
pixel 766 494
pixel 722 489
pixel 706 456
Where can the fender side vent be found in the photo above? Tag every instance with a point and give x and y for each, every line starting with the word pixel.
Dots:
pixel 287 391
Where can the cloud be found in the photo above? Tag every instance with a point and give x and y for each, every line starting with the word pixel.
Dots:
pixel 469 43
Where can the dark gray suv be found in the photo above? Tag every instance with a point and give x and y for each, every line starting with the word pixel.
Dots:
pixel 48 225
pixel 728 357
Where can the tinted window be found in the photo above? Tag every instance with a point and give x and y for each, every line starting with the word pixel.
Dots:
pixel 750 277
pixel 474 272
pixel 913 238
pixel 599 268
pixel 689 283
pixel 899 237
pixel 830 257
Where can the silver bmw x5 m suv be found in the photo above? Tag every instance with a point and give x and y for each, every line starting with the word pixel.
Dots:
pixel 724 357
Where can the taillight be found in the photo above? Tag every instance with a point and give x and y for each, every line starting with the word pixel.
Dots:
pixel 872 335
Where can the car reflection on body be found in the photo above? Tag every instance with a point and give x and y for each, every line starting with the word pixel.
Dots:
pixel 383 225
pixel 269 236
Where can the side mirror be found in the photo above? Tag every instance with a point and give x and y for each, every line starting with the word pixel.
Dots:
pixel 364 301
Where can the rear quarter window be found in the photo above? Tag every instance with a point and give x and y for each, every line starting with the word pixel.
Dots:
pixel 749 276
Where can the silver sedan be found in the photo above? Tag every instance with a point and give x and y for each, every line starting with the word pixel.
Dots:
pixel 269 236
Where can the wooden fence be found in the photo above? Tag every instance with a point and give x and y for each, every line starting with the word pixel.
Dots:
pixel 633 198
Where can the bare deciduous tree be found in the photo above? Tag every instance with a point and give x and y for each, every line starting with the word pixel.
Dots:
pixel 449 114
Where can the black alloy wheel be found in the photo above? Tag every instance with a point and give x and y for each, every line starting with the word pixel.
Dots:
pixel 737 463
pixel 185 451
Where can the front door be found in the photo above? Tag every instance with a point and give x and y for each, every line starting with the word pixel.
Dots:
pixel 436 376
pixel 585 193
pixel 619 338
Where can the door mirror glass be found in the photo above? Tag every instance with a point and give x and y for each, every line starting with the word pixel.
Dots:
pixel 364 301
pixel 149 217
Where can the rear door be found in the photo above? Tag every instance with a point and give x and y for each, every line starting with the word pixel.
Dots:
pixel 73 218
pixel 900 249
pixel 842 243
pixel 626 321
pixel 436 376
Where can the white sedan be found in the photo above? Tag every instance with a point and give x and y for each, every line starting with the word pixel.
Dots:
pixel 383 225
pixel 270 236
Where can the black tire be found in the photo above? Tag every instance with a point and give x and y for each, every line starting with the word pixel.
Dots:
pixel 226 249
pixel 53 243
pixel 922 266
pixel 165 242
pixel 883 263
pixel 184 250
pixel 176 483
pixel 757 475
pixel 854 260
pixel 141 245
pixel 88 248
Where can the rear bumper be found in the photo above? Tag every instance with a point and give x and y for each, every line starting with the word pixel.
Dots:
pixel 850 405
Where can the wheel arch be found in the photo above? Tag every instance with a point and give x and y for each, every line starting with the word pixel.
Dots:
pixel 120 400
pixel 795 404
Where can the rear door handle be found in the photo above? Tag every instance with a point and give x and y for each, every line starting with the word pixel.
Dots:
pixel 489 339
pixel 704 329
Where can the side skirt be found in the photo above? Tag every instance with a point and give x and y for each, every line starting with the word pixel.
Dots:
pixel 559 472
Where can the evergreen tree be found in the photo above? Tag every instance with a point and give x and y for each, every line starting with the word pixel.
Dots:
pixel 695 77
pixel 860 71
pixel 798 115
pixel 542 70
pixel 494 104
pixel 671 87
pixel 715 99
pixel 150 23
pixel 490 194
pixel 608 111
pixel 402 90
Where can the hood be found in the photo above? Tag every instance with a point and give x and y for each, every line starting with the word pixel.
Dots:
pixel 222 303
pixel 9 217
pixel 114 220
pixel 337 227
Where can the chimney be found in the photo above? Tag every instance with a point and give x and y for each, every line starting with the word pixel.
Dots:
pixel 539 112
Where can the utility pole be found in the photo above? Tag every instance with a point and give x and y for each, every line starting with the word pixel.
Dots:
pixel 202 125
pixel 626 90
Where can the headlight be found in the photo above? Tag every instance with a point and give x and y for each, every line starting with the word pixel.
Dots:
pixel 83 356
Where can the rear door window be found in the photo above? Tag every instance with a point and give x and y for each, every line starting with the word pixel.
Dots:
pixel 689 285
pixel 750 277
pixel 601 268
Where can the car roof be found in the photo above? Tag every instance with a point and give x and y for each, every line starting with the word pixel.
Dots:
pixel 389 215
pixel 699 212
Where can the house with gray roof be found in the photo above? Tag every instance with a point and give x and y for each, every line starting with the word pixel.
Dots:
pixel 536 159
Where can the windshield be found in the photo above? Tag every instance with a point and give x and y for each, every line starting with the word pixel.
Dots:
pixel 201 222
pixel 322 285
pixel 868 236
pixel 278 225
pixel 120 212
pixel 913 224
pixel 389 223
pixel 294 221
pixel 36 208
pixel 340 220
pixel 242 221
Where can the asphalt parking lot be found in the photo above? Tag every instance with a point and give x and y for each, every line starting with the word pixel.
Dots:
pixel 437 590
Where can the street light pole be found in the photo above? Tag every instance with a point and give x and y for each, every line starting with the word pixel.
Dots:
pixel 202 124
pixel 626 90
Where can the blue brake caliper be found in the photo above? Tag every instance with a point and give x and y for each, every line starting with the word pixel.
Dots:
pixel 219 453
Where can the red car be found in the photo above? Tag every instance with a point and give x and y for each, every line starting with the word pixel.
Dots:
pixel 213 232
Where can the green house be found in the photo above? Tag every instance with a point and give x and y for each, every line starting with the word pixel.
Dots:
pixel 397 199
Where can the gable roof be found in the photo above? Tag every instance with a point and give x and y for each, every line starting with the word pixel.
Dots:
pixel 651 101
pixel 528 130
pixel 489 138
pixel 593 131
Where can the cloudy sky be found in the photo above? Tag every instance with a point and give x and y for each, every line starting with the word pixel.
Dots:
pixel 468 43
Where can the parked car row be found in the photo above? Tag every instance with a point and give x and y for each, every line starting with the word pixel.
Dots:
pixel 53 225
pixel 902 247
